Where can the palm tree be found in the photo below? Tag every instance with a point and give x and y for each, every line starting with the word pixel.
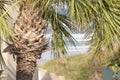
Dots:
pixel 29 41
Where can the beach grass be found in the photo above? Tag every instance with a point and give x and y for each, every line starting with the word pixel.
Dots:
pixel 77 67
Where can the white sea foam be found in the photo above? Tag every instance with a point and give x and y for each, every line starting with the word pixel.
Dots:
pixel 79 48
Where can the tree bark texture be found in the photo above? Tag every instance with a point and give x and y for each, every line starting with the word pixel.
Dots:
pixel 29 40
pixel 26 64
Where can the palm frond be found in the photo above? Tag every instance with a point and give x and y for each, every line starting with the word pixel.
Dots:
pixel 5 30
pixel 61 34
pixel 106 36
pixel 61 25
pixel 104 15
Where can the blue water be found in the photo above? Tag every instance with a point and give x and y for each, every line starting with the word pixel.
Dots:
pixel 81 47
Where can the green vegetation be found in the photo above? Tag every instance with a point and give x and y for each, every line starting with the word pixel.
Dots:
pixel 77 67
pixel 102 17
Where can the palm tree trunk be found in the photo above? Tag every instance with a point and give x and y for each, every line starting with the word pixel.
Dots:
pixel 29 41
pixel 26 64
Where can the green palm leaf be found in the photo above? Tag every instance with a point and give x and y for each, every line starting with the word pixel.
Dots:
pixel 61 24
pixel 5 29
pixel 103 14
pixel 106 26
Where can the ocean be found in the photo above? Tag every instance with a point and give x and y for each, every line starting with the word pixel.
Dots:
pixel 80 47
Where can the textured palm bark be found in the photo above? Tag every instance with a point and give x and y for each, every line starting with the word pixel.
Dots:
pixel 29 41
pixel 26 64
